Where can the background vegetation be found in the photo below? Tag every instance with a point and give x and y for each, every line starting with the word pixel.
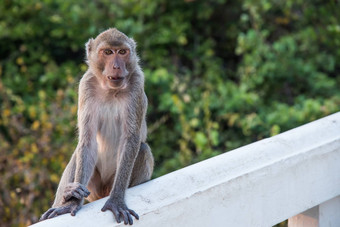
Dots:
pixel 219 75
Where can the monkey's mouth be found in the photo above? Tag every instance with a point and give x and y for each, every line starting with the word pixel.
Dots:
pixel 115 78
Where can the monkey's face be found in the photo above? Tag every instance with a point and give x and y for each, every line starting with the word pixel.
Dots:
pixel 113 63
pixel 112 58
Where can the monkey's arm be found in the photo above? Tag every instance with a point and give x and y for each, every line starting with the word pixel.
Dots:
pixel 72 187
pixel 129 150
pixel 86 156
pixel 86 149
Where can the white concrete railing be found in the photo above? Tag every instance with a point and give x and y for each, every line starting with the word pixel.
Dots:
pixel 261 184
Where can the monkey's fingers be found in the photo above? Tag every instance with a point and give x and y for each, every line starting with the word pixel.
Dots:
pixel 74 210
pixel 81 189
pixel 77 192
pixel 74 194
pixel 46 214
pixel 86 193
pixel 77 187
pixel 126 216
pixel 133 213
pixel 59 211
pixel 114 211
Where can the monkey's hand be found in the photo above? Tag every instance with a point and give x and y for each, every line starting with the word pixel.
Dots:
pixel 75 190
pixel 120 210
pixel 72 206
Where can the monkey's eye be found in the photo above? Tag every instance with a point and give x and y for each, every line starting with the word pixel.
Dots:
pixel 108 51
pixel 122 52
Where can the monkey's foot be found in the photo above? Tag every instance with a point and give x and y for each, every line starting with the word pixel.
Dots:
pixel 120 210
pixel 70 207
pixel 75 190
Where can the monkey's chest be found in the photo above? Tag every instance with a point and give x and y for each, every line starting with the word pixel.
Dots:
pixel 109 141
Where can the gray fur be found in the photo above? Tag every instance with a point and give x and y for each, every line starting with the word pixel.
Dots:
pixel 112 153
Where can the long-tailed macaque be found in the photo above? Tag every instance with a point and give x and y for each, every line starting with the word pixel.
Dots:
pixel 112 154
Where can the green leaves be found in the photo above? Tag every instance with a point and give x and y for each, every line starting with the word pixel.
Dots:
pixel 219 75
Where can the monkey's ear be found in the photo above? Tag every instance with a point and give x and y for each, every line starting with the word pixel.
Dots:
pixel 88 46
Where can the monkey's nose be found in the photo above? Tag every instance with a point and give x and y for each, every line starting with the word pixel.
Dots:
pixel 116 67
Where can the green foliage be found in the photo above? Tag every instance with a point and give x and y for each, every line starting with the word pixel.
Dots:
pixel 219 75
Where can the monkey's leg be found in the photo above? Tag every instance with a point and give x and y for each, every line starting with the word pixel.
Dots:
pixel 67 177
pixel 143 167
pixel 95 186
pixel 69 193
pixel 67 187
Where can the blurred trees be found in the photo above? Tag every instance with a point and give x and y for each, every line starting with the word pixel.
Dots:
pixel 219 75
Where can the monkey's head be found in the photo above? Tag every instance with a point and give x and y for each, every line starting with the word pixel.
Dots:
pixel 112 57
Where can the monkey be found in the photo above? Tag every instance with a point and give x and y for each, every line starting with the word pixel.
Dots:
pixel 112 153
